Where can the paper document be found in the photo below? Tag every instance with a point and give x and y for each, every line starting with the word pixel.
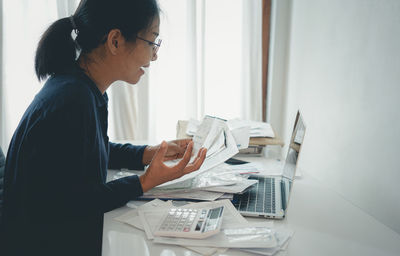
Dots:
pixel 234 189
pixel 213 134
pixel 257 129
pixel 192 126
pixel 236 233
pixel 282 236
pixel 248 168
pixel 223 178
pixel 273 167
pixel 132 218
pixel 242 136
pixel 235 226
pixel 220 175
pixel 192 194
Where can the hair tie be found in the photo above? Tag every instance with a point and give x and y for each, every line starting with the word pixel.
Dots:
pixel 71 18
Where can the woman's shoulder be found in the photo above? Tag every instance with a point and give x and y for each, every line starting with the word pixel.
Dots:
pixel 65 89
pixel 66 86
pixel 63 94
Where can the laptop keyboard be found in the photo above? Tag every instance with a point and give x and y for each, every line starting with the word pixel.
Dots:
pixel 259 198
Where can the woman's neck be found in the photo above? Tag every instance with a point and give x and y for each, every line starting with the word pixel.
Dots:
pixel 96 69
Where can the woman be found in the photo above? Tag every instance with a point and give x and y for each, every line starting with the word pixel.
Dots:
pixel 55 176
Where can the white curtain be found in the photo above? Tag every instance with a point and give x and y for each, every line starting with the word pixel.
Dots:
pixel 22 24
pixel 209 63
pixel 124 123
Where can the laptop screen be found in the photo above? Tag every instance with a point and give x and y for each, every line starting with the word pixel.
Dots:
pixel 289 169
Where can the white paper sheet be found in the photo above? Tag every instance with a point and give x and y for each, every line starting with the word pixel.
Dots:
pixel 185 194
pixel 152 216
pixel 263 237
pixel 242 136
pixel 231 220
pixel 132 218
pixel 282 236
pixel 192 126
pixel 234 189
pixel 249 168
pixel 257 129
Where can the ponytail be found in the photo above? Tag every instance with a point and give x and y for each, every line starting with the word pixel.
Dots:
pixel 93 19
pixel 56 51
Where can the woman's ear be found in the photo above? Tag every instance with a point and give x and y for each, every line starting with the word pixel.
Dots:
pixel 114 39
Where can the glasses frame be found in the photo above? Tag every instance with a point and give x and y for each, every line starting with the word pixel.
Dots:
pixel 156 45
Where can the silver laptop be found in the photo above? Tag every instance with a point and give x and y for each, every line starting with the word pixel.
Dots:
pixel 269 198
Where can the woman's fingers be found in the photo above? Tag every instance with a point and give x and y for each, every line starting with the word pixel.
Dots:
pixel 159 155
pixel 158 172
pixel 183 142
pixel 197 162
pixel 201 156
pixel 186 157
pixel 182 146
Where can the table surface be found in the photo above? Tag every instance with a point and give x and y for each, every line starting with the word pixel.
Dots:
pixel 324 223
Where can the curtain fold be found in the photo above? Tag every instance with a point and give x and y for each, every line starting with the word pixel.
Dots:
pixel 124 121
pixel 209 63
pixel 252 61
pixel 22 24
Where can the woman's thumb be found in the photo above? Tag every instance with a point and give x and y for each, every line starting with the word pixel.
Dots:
pixel 159 156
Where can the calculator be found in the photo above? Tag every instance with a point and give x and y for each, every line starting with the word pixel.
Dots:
pixel 190 223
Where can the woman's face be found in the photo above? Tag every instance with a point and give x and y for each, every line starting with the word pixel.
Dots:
pixel 140 53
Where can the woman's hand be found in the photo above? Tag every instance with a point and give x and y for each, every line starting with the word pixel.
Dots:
pixel 176 149
pixel 158 173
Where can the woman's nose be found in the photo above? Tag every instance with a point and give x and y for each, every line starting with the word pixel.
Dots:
pixel 155 57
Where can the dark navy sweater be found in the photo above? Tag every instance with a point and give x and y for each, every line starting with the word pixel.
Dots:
pixel 55 191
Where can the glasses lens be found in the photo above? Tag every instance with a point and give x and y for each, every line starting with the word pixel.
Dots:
pixel 157 45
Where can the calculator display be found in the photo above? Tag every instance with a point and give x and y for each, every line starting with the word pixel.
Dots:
pixel 212 219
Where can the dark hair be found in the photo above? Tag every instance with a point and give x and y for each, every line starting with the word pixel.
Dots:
pixel 93 19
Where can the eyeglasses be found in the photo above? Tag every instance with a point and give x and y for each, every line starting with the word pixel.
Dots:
pixel 155 44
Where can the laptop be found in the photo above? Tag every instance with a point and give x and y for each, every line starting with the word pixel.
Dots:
pixel 269 198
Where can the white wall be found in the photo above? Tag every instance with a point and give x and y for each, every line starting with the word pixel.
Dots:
pixel 341 67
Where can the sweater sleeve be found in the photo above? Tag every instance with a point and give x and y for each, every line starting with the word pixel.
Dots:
pixel 126 156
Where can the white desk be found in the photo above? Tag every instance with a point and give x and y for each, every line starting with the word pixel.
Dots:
pixel 324 224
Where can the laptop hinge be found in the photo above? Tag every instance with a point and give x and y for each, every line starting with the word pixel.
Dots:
pixel 283 195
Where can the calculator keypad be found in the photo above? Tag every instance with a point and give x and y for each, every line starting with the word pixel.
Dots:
pixel 179 220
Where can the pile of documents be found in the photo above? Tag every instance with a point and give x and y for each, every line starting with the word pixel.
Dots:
pixel 219 182
pixel 236 232
pixel 254 128
pixel 213 134
pixel 214 184
pixel 215 179
pixel 251 136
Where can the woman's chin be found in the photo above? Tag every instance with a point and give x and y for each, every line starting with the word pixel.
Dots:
pixel 134 80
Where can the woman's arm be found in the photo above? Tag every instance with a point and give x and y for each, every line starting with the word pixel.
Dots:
pixel 127 156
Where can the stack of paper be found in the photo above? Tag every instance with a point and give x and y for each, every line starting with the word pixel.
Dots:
pixel 213 134
pixel 236 233
pixel 240 132
pixel 219 182
pixel 256 129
